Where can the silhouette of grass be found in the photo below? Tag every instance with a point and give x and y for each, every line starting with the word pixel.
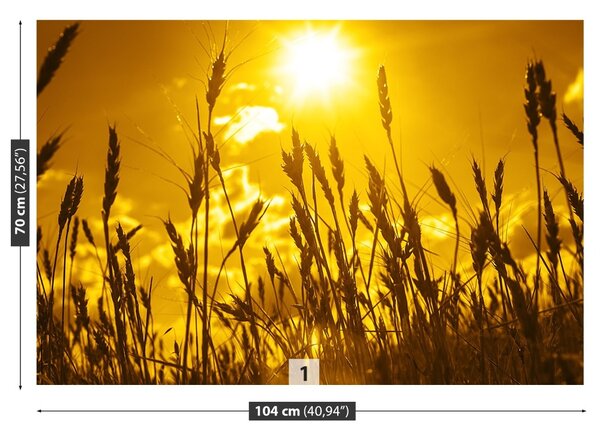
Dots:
pixel 375 313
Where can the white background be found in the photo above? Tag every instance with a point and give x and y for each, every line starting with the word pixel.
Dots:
pixel 18 410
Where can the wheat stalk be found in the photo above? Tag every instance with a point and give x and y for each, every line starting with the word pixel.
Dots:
pixel 445 193
pixel 573 128
pixel 55 56
pixel 385 109
pixel 547 101
pixel 498 189
pixel 532 111
pixel 47 152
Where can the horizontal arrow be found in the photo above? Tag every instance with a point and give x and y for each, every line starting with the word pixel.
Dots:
pixel 358 411
pixel 475 411
pixel 139 411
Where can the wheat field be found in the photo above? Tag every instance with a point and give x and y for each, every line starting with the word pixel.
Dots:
pixel 353 278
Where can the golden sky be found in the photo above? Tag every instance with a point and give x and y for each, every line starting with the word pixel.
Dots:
pixel 456 89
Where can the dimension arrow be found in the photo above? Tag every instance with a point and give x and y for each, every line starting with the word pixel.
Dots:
pixel 20 260
pixel 475 411
pixel 358 411
pixel 20 325
pixel 139 411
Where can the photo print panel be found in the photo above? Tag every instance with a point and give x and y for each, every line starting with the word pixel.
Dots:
pixel 326 202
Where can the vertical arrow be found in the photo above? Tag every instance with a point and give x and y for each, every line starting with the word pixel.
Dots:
pixel 20 292
pixel 20 25
pixel 20 323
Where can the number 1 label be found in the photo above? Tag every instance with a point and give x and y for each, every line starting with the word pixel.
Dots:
pixel 303 371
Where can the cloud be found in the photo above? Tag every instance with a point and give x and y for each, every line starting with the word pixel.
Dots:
pixel 52 176
pixel 575 90
pixel 249 122
pixel 242 193
pixel 438 227
pixel 242 86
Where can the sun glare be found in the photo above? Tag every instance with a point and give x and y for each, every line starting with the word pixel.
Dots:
pixel 317 63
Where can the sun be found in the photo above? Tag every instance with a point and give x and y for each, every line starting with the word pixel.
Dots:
pixel 317 63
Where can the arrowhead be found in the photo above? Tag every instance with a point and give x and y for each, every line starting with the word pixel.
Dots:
pixel 20 387
pixel 39 410
pixel 582 410
pixel 20 24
